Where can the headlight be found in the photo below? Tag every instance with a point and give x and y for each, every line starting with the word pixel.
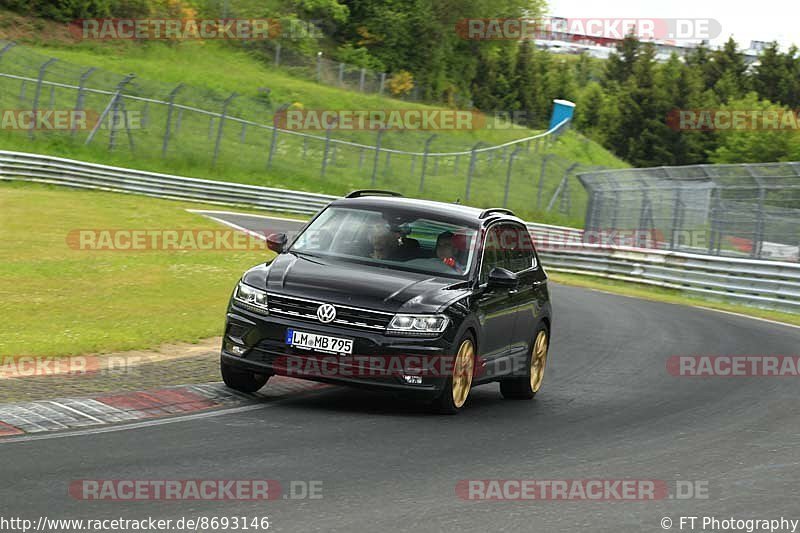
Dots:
pixel 251 298
pixel 418 324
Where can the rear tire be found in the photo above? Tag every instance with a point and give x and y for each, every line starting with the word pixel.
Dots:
pixel 457 387
pixel 525 387
pixel 242 380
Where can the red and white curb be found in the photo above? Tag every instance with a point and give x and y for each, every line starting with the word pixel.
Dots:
pixel 115 408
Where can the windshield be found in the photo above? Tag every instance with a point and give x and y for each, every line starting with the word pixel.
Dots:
pixel 390 238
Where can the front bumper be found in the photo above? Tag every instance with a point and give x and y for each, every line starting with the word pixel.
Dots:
pixel 379 361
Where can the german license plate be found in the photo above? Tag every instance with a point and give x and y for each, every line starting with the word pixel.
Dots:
pixel 319 343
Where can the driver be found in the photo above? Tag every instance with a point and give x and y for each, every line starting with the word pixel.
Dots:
pixel 384 245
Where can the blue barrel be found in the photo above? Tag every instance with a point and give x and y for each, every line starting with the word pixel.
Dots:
pixel 562 109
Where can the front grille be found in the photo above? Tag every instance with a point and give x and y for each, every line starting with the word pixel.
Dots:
pixel 347 316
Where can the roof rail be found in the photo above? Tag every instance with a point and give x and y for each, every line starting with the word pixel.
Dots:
pixel 371 192
pixel 499 210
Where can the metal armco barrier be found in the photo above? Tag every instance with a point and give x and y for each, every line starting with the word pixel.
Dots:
pixel 54 170
pixel 767 284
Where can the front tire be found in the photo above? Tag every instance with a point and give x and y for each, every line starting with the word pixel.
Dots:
pixel 242 380
pixel 525 387
pixel 458 385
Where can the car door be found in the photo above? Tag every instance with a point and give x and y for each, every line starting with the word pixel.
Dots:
pixel 494 308
pixel 530 295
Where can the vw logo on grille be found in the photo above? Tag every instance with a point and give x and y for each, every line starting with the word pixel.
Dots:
pixel 326 313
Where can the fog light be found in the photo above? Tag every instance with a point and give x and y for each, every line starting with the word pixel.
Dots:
pixel 235 349
pixel 413 380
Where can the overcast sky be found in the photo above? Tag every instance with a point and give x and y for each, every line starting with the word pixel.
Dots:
pixel 763 20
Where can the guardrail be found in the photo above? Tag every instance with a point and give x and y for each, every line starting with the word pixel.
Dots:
pixel 767 284
pixel 55 170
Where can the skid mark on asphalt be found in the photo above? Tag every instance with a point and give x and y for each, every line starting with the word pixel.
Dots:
pixel 76 413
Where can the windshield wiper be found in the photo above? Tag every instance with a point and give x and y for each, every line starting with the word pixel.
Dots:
pixel 305 255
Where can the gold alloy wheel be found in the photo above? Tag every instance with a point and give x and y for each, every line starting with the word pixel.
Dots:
pixel 538 360
pixel 463 368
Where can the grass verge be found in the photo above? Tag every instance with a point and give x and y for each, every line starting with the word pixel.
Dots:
pixel 211 71
pixel 56 300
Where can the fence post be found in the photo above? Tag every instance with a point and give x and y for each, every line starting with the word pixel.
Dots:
pixel 273 143
pixel 540 190
pixel 561 186
pixel 758 238
pixel 112 106
pixel 508 173
pixel 221 126
pixel 590 211
pixel 319 67
pixel 376 160
pixel 425 161
pixel 361 80
pixel 101 119
pixel 277 54
pixel 383 82
pixel 6 48
pixel 341 74
pixel 675 218
pixel 121 104
pixel 471 169
pixel 168 127
pixel 327 147
pixel 79 100
pixel 37 94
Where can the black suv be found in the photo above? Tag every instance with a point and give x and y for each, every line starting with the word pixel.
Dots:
pixel 398 294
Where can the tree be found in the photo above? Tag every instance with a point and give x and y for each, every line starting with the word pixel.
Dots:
pixel 619 66
pixel 748 145
pixel 727 70
pixel 525 83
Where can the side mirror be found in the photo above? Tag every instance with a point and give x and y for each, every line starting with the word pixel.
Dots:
pixel 277 242
pixel 500 278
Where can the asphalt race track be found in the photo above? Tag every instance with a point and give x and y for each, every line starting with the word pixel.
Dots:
pixel 609 409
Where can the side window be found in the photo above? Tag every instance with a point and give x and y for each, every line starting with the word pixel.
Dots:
pixel 521 254
pixel 494 254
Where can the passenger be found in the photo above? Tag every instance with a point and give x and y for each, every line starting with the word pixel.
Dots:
pixel 446 251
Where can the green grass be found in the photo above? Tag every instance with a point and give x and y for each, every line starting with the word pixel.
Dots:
pixel 672 296
pixel 56 300
pixel 212 70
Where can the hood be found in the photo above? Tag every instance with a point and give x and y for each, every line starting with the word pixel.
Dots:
pixel 356 285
